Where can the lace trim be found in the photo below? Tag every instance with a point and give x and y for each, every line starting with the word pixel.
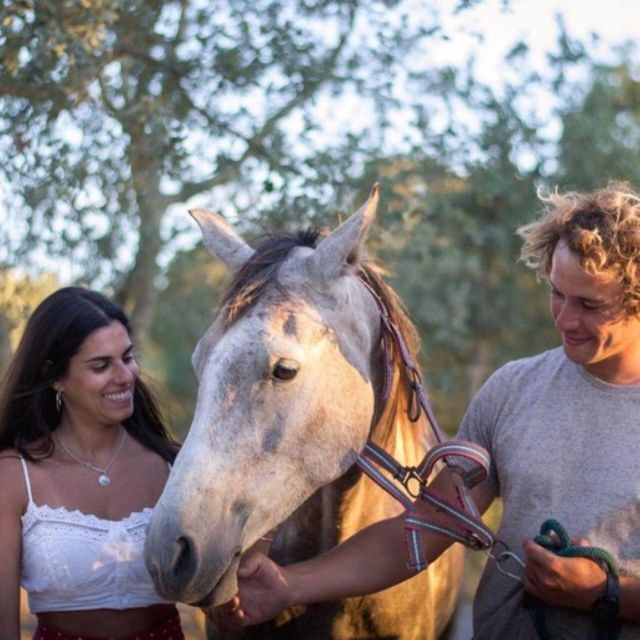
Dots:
pixel 60 518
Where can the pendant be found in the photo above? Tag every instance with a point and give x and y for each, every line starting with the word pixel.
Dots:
pixel 104 480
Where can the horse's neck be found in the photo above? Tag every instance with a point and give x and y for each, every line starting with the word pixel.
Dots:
pixel 338 510
pixel 316 525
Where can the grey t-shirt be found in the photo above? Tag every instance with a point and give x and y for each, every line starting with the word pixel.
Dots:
pixel 563 445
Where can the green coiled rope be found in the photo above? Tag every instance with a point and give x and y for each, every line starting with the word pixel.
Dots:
pixel 561 545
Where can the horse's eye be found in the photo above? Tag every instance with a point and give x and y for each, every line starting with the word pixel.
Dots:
pixel 285 370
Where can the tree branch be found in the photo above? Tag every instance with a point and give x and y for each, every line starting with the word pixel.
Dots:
pixel 255 145
pixel 32 92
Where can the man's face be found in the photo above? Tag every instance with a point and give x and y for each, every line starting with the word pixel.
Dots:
pixel 596 332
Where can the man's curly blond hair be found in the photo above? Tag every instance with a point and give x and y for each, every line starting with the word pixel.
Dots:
pixel 602 228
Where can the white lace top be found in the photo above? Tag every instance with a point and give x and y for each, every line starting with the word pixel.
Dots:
pixel 75 561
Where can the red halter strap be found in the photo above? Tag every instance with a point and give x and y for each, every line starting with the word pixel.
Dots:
pixel 468 462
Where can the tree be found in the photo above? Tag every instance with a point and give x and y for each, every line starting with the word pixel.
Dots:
pixel 194 281
pixel 600 138
pixel 449 213
pixel 114 110
pixel 19 295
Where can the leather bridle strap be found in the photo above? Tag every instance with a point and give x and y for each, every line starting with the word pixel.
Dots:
pixel 467 461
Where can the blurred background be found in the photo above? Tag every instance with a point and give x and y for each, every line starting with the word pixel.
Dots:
pixel 117 116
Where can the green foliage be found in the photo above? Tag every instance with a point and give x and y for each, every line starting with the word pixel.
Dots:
pixel 184 310
pixel 449 213
pixel 601 131
pixel 113 111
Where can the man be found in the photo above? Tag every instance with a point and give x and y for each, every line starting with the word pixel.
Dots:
pixel 563 432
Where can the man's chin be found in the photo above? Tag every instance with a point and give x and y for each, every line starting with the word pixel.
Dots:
pixel 578 353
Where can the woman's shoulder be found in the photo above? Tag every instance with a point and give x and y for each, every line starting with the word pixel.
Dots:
pixel 9 460
pixel 149 460
pixel 14 495
pixel 169 448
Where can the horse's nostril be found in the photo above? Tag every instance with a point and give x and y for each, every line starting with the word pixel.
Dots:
pixel 185 561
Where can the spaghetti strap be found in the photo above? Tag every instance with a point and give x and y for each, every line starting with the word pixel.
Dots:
pixel 27 480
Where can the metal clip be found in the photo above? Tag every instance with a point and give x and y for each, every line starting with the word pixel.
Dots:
pixel 414 410
pixel 502 557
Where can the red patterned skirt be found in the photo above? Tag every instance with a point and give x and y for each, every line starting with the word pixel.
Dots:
pixel 168 630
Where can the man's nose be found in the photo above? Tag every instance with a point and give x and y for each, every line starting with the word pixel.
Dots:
pixel 567 318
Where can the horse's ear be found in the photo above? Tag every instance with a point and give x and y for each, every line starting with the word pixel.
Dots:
pixel 341 246
pixel 221 239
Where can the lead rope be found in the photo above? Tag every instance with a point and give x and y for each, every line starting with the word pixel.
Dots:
pixel 561 546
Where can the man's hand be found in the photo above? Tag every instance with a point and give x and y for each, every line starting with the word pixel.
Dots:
pixel 263 592
pixel 562 582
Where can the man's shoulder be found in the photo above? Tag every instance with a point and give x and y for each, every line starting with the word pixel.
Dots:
pixel 524 370
pixel 551 358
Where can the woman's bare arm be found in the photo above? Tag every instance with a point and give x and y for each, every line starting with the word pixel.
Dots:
pixel 13 499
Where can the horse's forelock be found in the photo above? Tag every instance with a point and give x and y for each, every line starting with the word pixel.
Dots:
pixel 261 269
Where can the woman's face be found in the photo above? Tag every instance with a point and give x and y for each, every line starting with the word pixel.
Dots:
pixel 98 385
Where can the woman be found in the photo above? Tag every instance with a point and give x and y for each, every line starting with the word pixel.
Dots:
pixel 83 458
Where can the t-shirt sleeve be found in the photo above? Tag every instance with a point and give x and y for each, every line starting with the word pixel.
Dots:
pixel 480 422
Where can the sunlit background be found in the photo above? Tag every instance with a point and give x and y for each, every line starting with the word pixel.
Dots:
pixel 116 116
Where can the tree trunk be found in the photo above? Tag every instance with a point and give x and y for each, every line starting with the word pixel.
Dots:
pixel 138 293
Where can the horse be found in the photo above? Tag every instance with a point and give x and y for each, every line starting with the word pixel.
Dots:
pixel 290 388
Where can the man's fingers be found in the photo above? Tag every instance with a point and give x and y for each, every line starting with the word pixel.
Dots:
pixel 536 553
pixel 228 617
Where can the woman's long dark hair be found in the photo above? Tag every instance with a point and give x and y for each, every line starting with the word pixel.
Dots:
pixel 54 333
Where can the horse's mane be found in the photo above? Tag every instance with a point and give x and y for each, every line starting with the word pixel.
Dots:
pixel 261 270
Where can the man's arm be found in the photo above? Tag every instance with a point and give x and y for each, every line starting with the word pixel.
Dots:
pixel 373 559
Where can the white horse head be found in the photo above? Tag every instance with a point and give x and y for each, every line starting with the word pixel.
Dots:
pixel 287 378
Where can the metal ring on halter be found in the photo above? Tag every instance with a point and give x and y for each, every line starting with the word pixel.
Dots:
pixel 496 543
pixel 476 543
pixel 410 475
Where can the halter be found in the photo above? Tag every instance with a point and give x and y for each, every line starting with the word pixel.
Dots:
pixel 467 461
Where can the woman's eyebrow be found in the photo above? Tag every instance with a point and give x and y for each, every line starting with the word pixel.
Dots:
pixel 128 350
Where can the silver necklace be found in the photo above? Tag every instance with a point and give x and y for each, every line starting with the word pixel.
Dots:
pixel 104 479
